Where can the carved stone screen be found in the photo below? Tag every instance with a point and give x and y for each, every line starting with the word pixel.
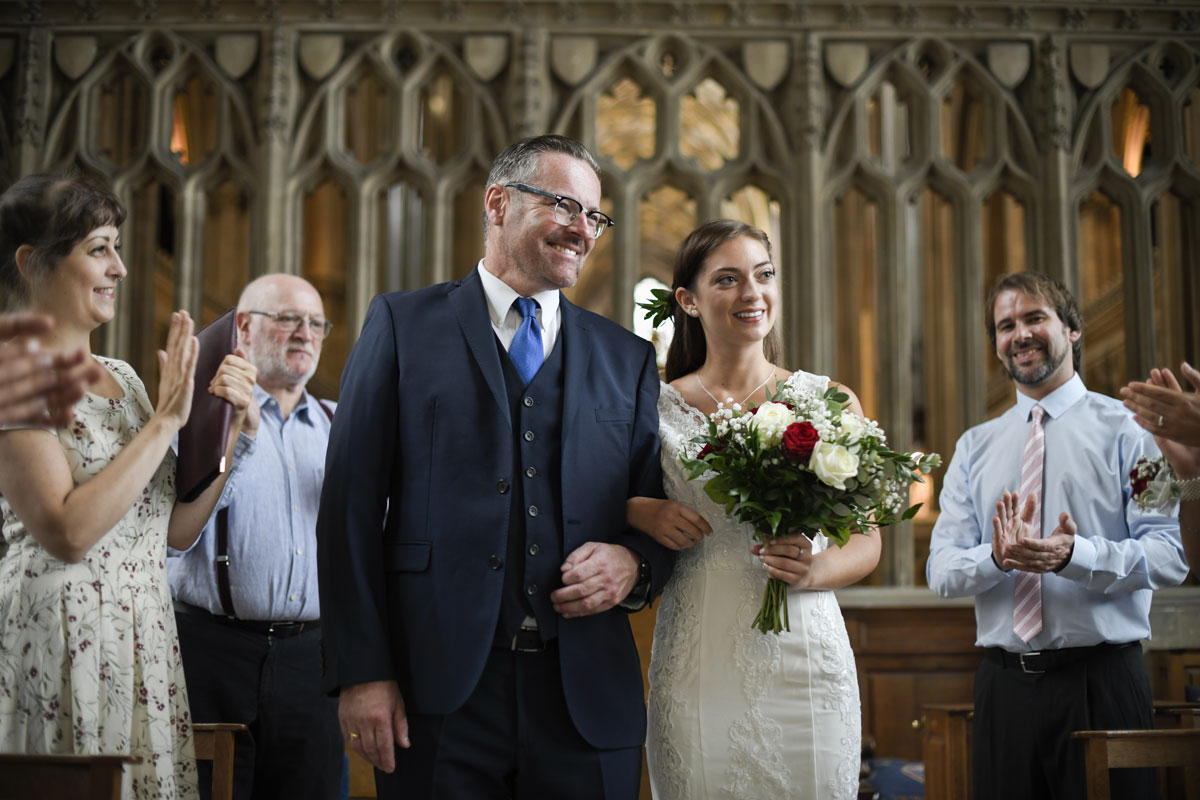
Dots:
pixel 901 156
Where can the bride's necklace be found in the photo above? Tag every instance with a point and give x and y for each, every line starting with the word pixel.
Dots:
pixel 730 399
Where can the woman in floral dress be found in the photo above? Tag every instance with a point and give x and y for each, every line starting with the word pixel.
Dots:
pixel 89 661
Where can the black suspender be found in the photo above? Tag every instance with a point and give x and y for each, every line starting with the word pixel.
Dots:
pixel 222 562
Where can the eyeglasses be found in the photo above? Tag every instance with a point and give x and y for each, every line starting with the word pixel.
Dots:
pixel 568 209
pixel 319 328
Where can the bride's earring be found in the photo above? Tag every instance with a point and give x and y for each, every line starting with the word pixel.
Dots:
pixel 695 312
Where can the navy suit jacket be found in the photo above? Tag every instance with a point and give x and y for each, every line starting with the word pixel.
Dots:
pixel 413 508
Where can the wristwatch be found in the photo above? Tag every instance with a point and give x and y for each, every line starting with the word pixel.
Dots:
pixel 641 589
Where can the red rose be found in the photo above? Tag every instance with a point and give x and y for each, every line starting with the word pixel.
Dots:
pixel 707 450
pixel 1138 483
pixel 799 440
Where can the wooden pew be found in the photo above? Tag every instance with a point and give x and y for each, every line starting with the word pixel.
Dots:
pixel 214 742
pixel 62 777
pixel 1107 750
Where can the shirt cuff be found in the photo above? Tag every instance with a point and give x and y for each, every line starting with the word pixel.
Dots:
pixel 243 449
pixel 1083 560
pixel 637 599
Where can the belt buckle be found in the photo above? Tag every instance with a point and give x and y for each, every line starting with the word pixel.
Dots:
pixel 1027 670
pixel 519 646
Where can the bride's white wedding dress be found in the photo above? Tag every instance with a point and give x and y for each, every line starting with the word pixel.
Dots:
pixel 733 712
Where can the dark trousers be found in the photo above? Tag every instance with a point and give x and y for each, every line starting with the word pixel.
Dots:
pixel 513 738
pixel 1021 746
pixel 272 684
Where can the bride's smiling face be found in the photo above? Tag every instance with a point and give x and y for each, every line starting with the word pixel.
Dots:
pixel 736 292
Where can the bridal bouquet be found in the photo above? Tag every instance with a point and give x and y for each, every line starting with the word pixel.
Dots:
pixel 804 462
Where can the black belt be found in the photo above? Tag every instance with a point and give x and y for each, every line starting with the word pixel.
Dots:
pixel 280 630
pixel 527 640
pixel 1037 662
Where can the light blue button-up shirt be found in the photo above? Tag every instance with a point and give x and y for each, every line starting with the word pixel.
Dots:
pixel 273 491
pixel 1121 554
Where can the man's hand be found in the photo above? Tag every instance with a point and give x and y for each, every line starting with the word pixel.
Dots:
pixel 1013 549
pixel 596 576
pixel 373 721
pixel 1010 524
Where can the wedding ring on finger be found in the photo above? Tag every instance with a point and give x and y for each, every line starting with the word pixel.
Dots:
pixel 1160 420
pixel 354 735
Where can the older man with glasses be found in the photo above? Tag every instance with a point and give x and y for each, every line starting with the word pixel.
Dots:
pixel 476 570
pixel 247 604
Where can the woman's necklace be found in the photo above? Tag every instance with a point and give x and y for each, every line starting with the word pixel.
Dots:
pixel 730 399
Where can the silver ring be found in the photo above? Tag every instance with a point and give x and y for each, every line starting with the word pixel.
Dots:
pixel 1160 420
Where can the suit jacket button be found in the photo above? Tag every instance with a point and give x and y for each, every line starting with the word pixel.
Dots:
pixel 529 436
pixel 531 589
pixel 534 549
pixel 502 486
pixel 530 472
pixel 528 401
pixel 495 563
pixel 533 511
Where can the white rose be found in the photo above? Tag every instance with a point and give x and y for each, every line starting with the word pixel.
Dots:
pixel 833 464
pixel 853 424
pixel 770 421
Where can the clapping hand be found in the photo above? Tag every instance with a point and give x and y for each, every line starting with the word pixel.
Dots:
pixel 39 387
pixel 1162 407
pixel 1013 549
pixel 177 371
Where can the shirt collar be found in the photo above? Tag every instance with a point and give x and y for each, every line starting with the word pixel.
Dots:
pixel 262 397
pixel 500 297
pixel 1057 402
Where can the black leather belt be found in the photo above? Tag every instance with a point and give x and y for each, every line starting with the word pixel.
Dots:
pixel 1037 662
pixel 527 640
pixel 280 630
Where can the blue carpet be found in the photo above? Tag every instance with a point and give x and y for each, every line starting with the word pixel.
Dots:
pixel 896 779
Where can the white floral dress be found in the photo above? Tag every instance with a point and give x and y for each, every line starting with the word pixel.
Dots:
pixel 734 713
pixel 89 658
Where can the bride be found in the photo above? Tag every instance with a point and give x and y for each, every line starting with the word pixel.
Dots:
pixel 734 712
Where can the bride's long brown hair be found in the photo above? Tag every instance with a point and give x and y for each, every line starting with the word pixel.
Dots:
pixel 689 348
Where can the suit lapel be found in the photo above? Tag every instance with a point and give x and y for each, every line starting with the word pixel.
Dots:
pixel 470 306
pixel 577 354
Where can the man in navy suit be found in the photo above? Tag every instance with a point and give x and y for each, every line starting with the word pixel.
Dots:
pixel 475 566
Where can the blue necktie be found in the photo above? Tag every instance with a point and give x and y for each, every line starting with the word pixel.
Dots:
pixel 526 348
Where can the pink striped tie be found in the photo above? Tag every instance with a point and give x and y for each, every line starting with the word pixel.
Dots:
pixel 1027 596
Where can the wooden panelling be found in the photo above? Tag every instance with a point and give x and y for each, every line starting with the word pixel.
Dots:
pixel 909 658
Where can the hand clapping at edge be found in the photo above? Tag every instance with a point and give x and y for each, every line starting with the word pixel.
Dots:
pixel 1161 406
pixel 39 387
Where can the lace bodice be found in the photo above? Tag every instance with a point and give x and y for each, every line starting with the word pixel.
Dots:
pixel 680 423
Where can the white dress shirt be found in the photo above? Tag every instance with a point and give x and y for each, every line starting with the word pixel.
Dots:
pixel 506 319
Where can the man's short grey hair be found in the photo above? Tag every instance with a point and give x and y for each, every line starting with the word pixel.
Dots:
pixel 519 161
